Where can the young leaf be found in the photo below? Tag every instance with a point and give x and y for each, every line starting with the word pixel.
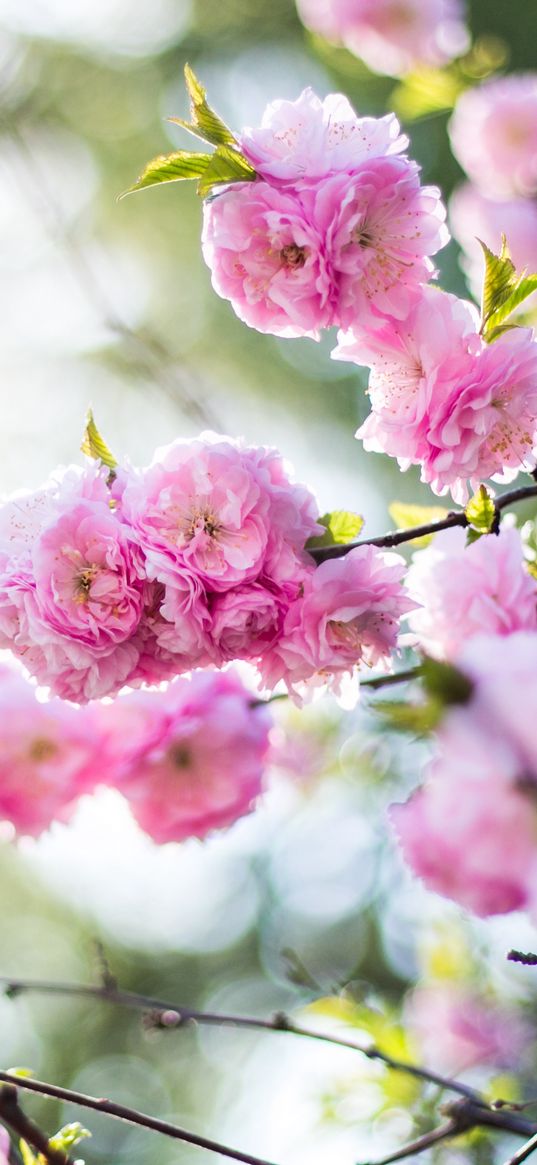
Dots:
pixel 175 167
pixel 418 719
pixel 525 286
pixel 481 511
pixel 94 446
pixel 29 1158
pixel 500 280
pixel 205 123
pixel 406 515
pixel 69 1136
pixel 342 527
pixel 226 165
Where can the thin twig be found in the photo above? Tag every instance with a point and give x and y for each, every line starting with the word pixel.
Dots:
pixel 419 1145
pixel 172 1016
pixel 129 1116
pixel 399 677
pixel 398 537
pixel 464 1115
pixel 527 960
pixel 524 1152
pixel 12 1114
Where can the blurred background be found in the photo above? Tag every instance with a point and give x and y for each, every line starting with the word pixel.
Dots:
pixel 110 304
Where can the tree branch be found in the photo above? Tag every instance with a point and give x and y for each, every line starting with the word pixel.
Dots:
pixel 128 1115
pixel 12 1114
pixel 523 1152
pixel 527 960
pixel 387 681
pixel 172 1016
pixel 464 1115
pixel 398 537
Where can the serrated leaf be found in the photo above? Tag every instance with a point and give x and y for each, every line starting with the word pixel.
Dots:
pixel 205 123
pixel 94 446
pixel 342 527
pixel 226 165
pixel 444 683
pixel 69 1136
pixel 500 280
pixel 177 167
pixel 419 719
pixel 481 511
pixel 406 515
pixel 525 286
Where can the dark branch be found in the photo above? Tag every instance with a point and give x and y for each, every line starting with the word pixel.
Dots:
pixel 129 1115
pixel 387 681
pixel 12 1115
pixel 527 960
pixel 170 1015
pixel 464 1115
pixel 398 537
pixel 524 1152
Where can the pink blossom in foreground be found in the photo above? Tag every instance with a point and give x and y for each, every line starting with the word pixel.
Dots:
pixel 268 258
pixel 473 216
pixel 463 591
pixel 293 262
pixel 391 36
pixel 493 134
pixel 504 672
pixel 48 756
pixel 444 399
pixel 348 614
pixel 474 841
pixel 245 622
pixel 203 769
pixel 309 138
pixel 457 1028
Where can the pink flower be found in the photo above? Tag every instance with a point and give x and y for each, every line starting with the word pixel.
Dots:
pixel 463 409
pixel 504 671
pixel 494 135
pixel 309 138
pixel 48 756
pixel 4 1146
pixel 474 841
pixel 464 590
pixel 348 614
pixel 381 226
pixel 268 258
pixel 203 768
pixel 414 363
pixel 457 1028
pixel 245 622
pixel 391 36
pixel 473 216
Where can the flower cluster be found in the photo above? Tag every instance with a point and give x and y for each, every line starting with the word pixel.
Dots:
pixel 391 36
pixel 443 398
pixel 188 760
pixel 196 560
pixel 335 226
pixel 471 831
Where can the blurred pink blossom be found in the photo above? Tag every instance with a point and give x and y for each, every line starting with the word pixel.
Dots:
pixel 464 590
pixel 391 36
pixel 458 1028
pixel 201 764
pixel 473 216
pixel 493 134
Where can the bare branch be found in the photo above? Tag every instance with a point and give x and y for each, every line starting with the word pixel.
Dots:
pixel 387 681
pixel 173 1016
pixel 129 1116
pixel 464 1115
pixel 398 537
pixel 419 1145
pixel 527 960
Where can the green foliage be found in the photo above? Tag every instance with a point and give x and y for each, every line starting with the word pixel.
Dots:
pixel 406 515
pixel 445 683
pixel 70 1135
pixel 402 716
pixel 503 290
pixel 94 446
pixel 481 514
pixel 342 527
pixel 226 164
pixel 425 91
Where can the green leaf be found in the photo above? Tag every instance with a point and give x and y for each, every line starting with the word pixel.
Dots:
pixel 445 683
pixel 406 515
pixel 526 285
pixel 226 165
pixel 342 527
pixel 205 123
pixel 481 511
pixel 176 167
pixel 426 91
pixel 500 279
pixel 94 446
pixel 69 1136
pixel 419 719
pixel 28 1157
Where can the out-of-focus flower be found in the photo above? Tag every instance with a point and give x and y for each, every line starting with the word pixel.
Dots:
pixel 197 767
pixel 348 614
pixel 494 135
pixel 464 591
pixel 473 216
pixel 48 756
pixel 457 1028
pixel 391 36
